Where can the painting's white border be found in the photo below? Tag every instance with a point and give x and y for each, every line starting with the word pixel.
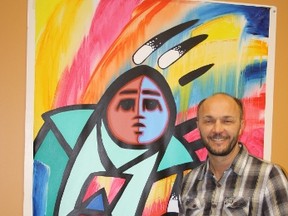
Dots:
pixel 28 157
pixel 29 114
pixel 235 3
pixel 270 85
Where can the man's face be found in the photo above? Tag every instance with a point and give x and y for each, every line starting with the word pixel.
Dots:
pixel 138 113
pixel 220 124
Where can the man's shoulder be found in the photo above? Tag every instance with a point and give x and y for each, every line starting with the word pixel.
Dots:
pixel 199 170
pixel 259 162
pixel 262 166
pixel 246 161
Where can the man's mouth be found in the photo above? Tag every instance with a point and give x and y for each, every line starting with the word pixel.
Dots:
pixel 218 138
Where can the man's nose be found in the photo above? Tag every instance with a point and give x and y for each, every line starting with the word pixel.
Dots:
pixel 218 126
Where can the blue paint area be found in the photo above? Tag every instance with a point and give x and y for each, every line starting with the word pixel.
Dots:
pixel 257 17
pixel 40 187
pixel 256 71
pixel 96 203
pixel 253 76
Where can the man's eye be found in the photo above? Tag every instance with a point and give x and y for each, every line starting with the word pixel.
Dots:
pixel 126 104
pixel 208 121
pixel 227 121
pixel 151 104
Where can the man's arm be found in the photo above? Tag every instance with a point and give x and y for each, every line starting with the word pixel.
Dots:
pixel 276 193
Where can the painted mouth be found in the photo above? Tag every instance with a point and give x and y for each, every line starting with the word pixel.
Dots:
pixel 138 125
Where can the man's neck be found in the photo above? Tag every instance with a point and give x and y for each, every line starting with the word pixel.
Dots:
pixel 219 164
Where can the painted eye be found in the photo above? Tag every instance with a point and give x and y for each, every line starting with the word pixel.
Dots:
pixel 126 104
pixel 151 105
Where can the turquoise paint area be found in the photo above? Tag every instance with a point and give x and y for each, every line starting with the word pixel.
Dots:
pixel 71 123
pixel 118 155
pixel 130 198
pixel 175 154
pixel 87 162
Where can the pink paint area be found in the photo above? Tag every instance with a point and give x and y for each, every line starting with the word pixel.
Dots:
pixel 253 134
pixel 202 154
pixel 112 186
pixel 109 19
pixel 254 140
pixel 192 135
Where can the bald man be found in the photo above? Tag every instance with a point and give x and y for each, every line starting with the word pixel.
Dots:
pixel 230 182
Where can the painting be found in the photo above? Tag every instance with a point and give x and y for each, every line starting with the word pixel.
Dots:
pixel 113 88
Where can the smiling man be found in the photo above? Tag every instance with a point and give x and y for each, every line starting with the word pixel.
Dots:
pixel 230 182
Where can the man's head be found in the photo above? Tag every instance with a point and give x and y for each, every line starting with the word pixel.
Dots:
pixel 220 122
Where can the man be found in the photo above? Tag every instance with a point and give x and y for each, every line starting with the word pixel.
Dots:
pixel 230 182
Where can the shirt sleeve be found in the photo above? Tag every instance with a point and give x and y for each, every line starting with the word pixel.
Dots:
pixel 276 193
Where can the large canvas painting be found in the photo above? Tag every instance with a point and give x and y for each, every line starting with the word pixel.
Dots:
pixel 113 88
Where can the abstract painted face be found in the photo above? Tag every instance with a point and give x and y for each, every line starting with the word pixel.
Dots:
pixel 138 113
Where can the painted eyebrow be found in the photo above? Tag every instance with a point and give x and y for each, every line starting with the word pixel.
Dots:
pixel 129 91
pixel 150 92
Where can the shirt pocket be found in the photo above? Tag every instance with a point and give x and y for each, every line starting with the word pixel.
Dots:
pixel 236 206
pixel 194 206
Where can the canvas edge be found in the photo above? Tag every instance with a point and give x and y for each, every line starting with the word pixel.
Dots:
pixel 270 85
pixel 29 112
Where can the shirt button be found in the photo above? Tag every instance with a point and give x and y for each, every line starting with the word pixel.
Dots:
pixel 214 205
pixel 218 185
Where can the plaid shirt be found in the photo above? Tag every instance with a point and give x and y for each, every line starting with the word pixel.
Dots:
pixel 249 187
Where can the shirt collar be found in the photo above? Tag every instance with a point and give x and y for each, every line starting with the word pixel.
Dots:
pixel 240 160
pixel 237 165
